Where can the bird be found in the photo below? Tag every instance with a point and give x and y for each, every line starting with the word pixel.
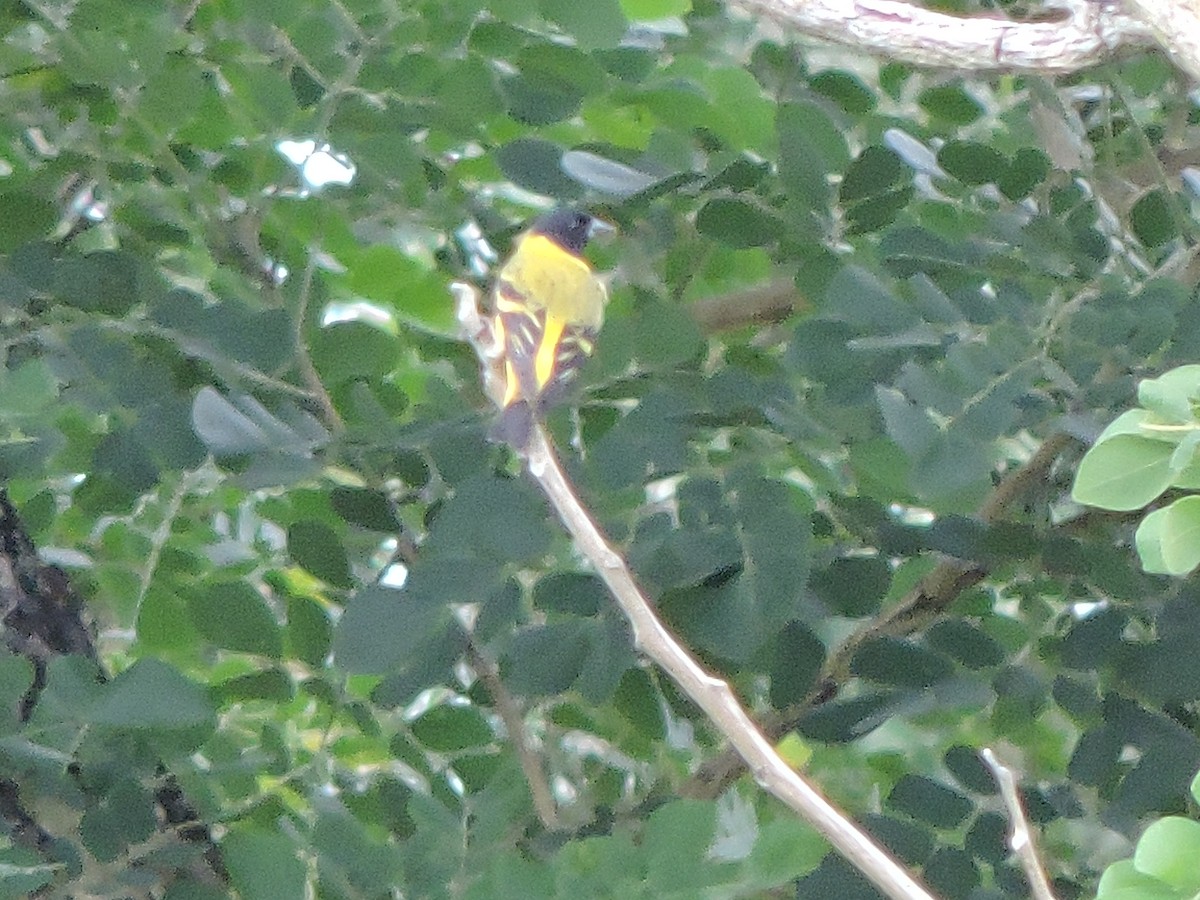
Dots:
pixel 548 305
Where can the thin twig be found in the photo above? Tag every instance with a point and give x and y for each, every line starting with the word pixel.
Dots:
pixel 506 706
pixel 1021 837
pixel 514 724
pixel 308 372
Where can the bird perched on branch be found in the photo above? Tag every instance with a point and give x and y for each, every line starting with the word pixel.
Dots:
pixel 548 306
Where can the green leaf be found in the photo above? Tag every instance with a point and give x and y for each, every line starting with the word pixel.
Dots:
pixel 951 103
pixel 1123 881
pixel 107 281
pixel 1167 850
pixel 366 508
pixel 23 879
pixel 382 627
pixel 738 223
pixel 570 592
pixel 536 165
pixel 543 660
pixel 898 662
pixel 966 643
pixel 929 801
pixel 450 729
pixel 784 850
pixel 1020 698
pixel 1172 396
pixel 270 685
pixel 123 816
pixel 972 163
pixel 844 89
pixel 797 656
pixel 316 548
pixel 16 678
pixel 533 102
pixel 876 171
pixel 639 701
pixel 845 720
pixel 165 622
pixel 676 841
pixel 776 536
pixel 950 872
pixel 309 632
pixel 352 853
pixel 24 218
pixel 908 424
pixel 968 770
pixel 262 864
pixel 1028 169
pixel 1168 539
pixel 413 293
pixel 490 518
pixel 151 694
pixel 233 615
pixel 348 350
pixel 1122 473
pixel 649 10
pixel 594 25
pixel 811 147
pixel 510 876
pixel 1152 219
pixel 853 586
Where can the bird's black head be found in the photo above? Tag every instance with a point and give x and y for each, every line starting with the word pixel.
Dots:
pixel 567 227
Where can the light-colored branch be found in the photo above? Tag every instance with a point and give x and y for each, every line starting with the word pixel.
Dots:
pixel 1021 836
pixel 1175 24
pixel 714 697
pixel 1082 33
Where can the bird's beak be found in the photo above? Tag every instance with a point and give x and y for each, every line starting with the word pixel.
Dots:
pixel 601 229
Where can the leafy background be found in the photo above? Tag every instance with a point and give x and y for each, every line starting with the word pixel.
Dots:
pixel 236 413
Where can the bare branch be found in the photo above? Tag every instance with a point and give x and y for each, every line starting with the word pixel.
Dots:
pixel 514 724
pixel 1085 32
pixel 712 695
pixel 760 304
pixel 1021 838
pixel 1176 26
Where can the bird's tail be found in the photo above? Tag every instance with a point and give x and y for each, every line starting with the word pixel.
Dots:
pixel 514 426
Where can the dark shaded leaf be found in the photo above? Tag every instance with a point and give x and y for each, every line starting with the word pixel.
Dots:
pixel 929 801
pixel 316 548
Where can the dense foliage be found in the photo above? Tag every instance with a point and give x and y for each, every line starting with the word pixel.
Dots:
pixel 235 411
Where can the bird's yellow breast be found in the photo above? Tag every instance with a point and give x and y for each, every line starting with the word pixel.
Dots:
pixel 556 280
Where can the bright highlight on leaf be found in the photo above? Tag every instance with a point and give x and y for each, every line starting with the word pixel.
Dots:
pixel 319 165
